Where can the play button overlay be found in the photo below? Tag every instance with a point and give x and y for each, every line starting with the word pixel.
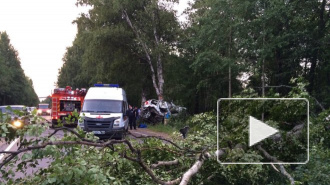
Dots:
pixel 263 130
pixel 259 131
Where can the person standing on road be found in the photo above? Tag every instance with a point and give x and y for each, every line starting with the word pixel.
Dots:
pixel 130 115
pixel 136 116
pixel 138 113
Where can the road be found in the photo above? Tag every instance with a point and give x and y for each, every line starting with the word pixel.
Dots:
pixel 44 163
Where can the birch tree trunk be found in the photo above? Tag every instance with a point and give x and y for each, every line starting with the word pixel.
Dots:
pixel 157 76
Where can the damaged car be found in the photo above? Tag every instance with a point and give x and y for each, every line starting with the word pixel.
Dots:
pixel 154 111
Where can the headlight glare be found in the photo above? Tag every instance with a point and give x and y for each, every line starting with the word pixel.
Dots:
pixel 17 124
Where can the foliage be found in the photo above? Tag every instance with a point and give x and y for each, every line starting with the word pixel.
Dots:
pixel 16 88
pixel 223 45
pixel 118 164
pixel 286 41
pixel 47 100
pixel 107 50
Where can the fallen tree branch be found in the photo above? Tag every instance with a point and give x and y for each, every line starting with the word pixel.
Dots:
pixel 274 159
pixel 71 131
pixel 179 152
pixel 267 155
pixel 274 167
pixel 7 159
pixel 164 163
pixel 184 180
pixel 103 145
pixel 108 143
pixel 167 140
pixel 194 169
pixel 207 179
pixel 149 171
pixel 285 173
pixel 294 132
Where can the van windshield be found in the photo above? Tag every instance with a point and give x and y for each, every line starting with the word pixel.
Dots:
pixel 107 106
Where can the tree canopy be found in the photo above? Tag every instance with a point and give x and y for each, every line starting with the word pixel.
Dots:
pixel 223 47
pixel 16 88
pixel 227 48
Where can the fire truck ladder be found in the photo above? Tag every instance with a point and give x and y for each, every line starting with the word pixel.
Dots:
pixel 54 106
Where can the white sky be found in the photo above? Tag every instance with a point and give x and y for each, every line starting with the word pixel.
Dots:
pixel 41 30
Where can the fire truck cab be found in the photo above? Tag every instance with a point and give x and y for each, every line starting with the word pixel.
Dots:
pixel 65 101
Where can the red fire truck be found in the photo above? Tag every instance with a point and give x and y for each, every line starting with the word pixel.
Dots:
pixel 65 101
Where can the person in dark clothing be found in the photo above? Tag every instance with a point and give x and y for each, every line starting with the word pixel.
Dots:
pixel 136 115
pixel 131 117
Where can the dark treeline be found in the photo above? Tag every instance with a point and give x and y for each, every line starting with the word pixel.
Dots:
pixel 15 87
pixel 271 42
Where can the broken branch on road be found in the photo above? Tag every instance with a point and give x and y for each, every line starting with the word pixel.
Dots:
pixel 135 153
pixel 274 159
pixel 165 163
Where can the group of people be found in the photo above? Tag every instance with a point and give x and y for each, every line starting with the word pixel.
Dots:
pixel 133 115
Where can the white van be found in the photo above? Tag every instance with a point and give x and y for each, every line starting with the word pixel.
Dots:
pixel 104 111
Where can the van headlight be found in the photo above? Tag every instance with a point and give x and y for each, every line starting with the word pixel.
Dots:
pixel 116 123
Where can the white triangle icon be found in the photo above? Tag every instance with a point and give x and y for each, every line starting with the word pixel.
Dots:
pixel 259 131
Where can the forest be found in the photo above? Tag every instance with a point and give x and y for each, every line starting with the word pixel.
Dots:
pixel 225 48
pixel 15 87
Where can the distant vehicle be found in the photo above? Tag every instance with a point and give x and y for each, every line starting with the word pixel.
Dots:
pixel 15 115
pixel 43 109
pixel 104 111
pixel 30 109
pixel 64 102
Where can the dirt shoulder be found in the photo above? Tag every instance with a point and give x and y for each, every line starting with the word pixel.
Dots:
pixel 148 132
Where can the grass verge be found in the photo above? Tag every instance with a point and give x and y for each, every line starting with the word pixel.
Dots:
pixel 162 128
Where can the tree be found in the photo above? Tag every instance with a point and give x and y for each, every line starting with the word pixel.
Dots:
pixel 16 88
pixel 157 37
pixel 150 39
pixel 211 37
pixel 80 158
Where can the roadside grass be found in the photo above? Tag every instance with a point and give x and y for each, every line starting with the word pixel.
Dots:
pixel 162 128
pixel 175 123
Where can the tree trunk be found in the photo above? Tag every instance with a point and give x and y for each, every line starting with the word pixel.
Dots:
pixel 159 81
pixel 143 97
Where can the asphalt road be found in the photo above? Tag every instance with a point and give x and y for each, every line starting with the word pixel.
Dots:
pixel 44 163
pixel 14 145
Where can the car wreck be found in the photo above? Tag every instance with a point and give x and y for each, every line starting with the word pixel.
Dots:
pixel 154 111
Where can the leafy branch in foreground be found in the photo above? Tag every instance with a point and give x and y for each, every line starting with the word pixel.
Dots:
pixel 81 158
pixel 77 157
pixel 128 151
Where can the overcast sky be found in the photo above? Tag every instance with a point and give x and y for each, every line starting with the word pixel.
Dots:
pixel 41 30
